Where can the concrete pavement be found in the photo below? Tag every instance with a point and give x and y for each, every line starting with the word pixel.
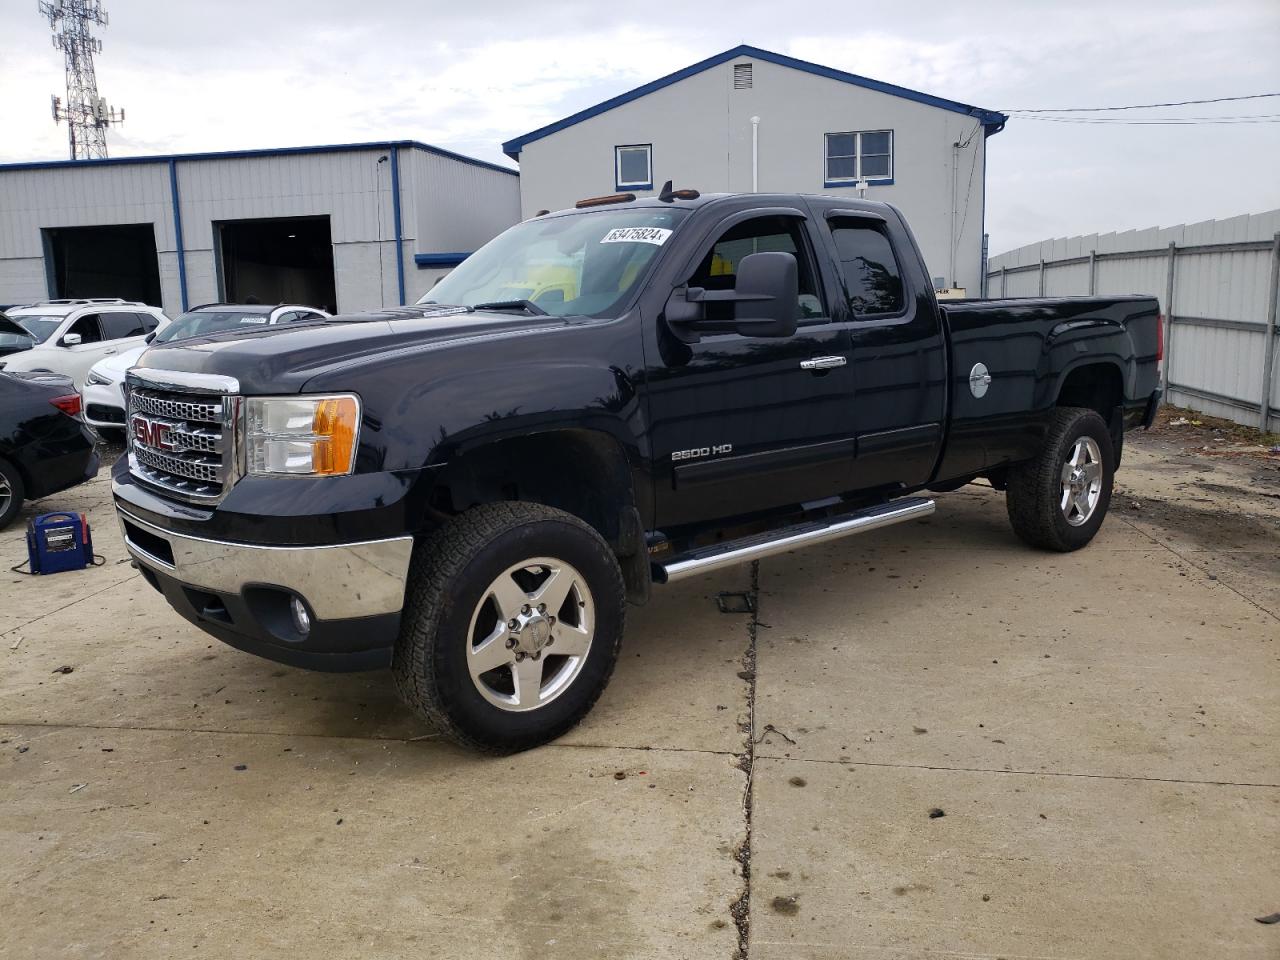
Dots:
pixel 1098 731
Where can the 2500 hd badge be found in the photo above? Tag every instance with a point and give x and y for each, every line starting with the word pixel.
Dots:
pixel 718 450
pixel 470 490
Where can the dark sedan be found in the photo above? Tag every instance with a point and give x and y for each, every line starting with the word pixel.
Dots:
pixel 44 448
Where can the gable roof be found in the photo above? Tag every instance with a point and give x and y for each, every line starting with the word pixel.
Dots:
pixel 992 120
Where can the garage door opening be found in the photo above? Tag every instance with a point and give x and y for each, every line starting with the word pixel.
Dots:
pixel 287 260
pixel 113 261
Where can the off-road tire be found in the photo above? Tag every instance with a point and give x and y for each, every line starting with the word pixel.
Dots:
pixel 1034 492
pixel 17 491
pixel 447 576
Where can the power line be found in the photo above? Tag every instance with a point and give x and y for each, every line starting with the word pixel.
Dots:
pixel 1140 106
pixel 1180 122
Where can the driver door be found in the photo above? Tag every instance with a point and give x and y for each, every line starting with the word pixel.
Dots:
pixel 741 424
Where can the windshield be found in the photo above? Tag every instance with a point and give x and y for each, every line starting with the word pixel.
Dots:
pixel 40 326
pixel 581 264
pixel 209 321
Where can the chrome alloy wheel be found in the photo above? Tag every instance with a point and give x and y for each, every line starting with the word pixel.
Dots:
pixel 530 634
pixel 1081 481
pixel 6 494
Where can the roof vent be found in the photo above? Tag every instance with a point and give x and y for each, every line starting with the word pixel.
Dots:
pixel 742 76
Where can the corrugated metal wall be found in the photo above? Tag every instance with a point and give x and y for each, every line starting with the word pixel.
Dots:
pixel 1217 285
pixel 448 204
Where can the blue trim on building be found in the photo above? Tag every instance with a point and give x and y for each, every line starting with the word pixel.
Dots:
pixel 989 118
pixel 440 259
pixel 265 152
pixel 177 232
pixel 395 210
pixel 834 184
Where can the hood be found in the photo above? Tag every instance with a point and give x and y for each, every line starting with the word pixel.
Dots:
pixel 281 359
pixel 9 329
pixel 113 368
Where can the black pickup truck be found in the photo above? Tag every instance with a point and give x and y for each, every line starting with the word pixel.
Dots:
pixel 469 490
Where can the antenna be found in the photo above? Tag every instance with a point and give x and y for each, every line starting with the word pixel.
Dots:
pixel 87 114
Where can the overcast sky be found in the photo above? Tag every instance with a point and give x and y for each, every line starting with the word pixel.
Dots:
pixel 228 74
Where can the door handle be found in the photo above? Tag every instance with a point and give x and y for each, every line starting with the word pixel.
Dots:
pixel 108 352
pixel 822 363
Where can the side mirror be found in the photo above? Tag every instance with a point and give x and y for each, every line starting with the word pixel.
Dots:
pixel 767 295
pixel 149 337
pixel 765 298
pixel 71 340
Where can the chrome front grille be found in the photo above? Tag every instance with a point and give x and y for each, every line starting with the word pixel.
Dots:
pixel 181 440
pixel 160 405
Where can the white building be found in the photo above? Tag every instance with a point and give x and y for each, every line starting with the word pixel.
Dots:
pixel 748 119
pixel 347 227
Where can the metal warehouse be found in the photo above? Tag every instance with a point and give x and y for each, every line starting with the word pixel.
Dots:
pixel 347 227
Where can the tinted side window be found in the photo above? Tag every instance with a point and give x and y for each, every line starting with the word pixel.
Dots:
pixel 117 325
pixel 719 268
pixel 149 321
pixel 869 270
pixel 87 327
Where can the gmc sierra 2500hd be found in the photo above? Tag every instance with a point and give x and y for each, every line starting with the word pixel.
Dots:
pixel 469 490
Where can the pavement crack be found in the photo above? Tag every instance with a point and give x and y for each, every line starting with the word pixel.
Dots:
pixel 740 909
pixel 1189 781
pixel 70 603
pixel 1208 573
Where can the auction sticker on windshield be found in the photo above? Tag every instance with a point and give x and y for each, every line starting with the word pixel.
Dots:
pixel 655 235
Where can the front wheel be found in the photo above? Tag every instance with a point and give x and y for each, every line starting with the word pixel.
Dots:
pixel 512 622
pixel 1058 500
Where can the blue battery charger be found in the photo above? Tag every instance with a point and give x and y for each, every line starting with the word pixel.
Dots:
pixel 57 542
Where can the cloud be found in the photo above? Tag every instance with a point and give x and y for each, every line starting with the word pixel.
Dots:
pixel 241 74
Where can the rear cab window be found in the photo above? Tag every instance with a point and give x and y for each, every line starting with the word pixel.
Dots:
pixel 870 275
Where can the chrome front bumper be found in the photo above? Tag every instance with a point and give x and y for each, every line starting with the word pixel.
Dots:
pixel 338 582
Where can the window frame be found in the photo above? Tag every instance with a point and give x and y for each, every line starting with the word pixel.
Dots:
pixel 877 181
pixel 93 318
pixel 105 324
pixel 620 184
pixel 807 247
pixel 872 222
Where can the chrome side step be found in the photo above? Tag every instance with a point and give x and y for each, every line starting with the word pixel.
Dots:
pixel 720 555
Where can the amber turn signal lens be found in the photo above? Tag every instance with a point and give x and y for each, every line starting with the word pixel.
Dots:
pixel 334 428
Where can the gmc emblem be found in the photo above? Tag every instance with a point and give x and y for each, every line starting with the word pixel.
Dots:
pixel 153 433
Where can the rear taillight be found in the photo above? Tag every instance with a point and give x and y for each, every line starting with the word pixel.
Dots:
pixel 1160 338
pixel 70 404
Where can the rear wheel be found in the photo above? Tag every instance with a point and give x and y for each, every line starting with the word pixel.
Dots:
pixel 512 622
pixel 12 493
pixel 1059 500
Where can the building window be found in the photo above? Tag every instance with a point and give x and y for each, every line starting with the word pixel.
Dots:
pixel 859 155
pixel 633 166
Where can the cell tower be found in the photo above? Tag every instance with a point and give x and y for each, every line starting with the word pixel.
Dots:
pixel 86 113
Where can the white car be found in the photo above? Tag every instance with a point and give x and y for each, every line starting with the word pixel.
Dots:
pixel 103 390
pixel 70 336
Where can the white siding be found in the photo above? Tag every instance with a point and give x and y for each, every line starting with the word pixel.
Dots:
pixel 1231 285
pixel 700 128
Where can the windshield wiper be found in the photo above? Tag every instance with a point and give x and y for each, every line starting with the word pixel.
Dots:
pixel 528 306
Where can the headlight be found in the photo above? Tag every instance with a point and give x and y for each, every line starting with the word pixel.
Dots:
pixel 98 380
pixel 302 436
